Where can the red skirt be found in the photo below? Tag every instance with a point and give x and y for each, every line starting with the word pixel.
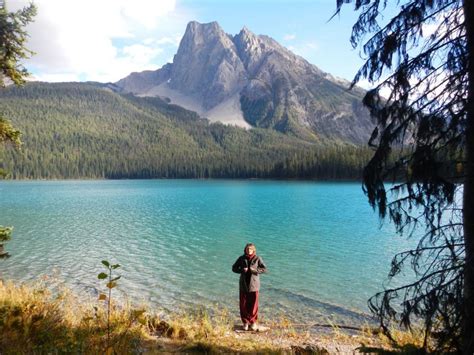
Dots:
pixel 249 307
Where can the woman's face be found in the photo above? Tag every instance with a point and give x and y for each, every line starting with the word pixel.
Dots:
pixel 250 251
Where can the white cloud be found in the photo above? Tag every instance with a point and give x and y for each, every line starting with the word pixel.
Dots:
pixel 304 49
pixel 54 77
pixel 167 40
pixel 99 40
pixel 429 29
pixel 141 54
pixel 289 37
pixel 366 85
pixel 144 11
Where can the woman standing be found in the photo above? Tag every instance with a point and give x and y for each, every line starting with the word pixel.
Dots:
pixel 249 266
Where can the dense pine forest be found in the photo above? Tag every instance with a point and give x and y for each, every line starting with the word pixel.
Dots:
pixel 86 130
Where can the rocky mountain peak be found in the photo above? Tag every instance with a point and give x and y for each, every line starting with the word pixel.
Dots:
pixel 245 33
pixel 198 35
pixel 249 48
pixel 206 65
pixel 250 79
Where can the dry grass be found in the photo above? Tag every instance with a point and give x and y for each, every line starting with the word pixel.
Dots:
pixel 413 337
pixel 35 320
pixel 405 341
pixel 198 331
pixel 408 341
pixel 32 319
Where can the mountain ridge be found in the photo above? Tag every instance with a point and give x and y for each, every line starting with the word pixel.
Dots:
pixel 87 130
pixel 254 81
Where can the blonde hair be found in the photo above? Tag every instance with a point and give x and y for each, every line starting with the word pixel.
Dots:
pixel 250 246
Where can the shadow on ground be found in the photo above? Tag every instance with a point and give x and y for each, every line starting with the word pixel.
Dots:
pixel 408 349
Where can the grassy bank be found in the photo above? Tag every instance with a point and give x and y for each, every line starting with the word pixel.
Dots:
pixel 35 320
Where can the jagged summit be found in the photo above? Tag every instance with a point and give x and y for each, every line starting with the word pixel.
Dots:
pixel 196 32
pixel 245 33
pixel 206 66
pixel 252 80
pixel 196 24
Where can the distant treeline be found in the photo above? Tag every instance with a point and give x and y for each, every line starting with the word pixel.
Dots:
pixel 77 130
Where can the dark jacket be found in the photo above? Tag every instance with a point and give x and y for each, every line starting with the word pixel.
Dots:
pixel 249 281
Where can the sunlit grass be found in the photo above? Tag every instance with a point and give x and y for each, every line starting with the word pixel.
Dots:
pixel 33 319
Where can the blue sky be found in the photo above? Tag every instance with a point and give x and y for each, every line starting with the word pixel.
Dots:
pixel 105 40
pixel 302 26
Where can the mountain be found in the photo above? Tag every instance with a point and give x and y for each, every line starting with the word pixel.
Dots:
pixel 87 130
pixel 252 81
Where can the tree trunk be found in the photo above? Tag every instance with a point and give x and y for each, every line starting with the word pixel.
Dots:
pixel 468 198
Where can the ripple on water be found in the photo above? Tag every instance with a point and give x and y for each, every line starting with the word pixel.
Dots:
pixel 176 241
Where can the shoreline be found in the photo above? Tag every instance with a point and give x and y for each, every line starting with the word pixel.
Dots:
pixel 349 320
pixel 34 306
pixel 191 178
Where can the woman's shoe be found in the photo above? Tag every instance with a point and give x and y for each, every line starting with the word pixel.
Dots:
pixel 253 327
pixel 246 326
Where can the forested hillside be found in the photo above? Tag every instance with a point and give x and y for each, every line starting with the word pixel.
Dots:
pixel 84 130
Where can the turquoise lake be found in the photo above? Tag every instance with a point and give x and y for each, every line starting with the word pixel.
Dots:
pixel 177 240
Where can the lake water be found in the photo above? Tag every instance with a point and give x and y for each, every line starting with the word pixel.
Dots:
pixel 177 240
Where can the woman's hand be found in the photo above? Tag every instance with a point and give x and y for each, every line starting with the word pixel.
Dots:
pixel 246 269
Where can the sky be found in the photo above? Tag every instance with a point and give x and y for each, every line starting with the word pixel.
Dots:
pixel 105 40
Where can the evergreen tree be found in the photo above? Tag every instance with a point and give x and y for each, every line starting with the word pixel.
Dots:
pixel 83 130
pixel 12 43
pixel 429 117
pixel 12 51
